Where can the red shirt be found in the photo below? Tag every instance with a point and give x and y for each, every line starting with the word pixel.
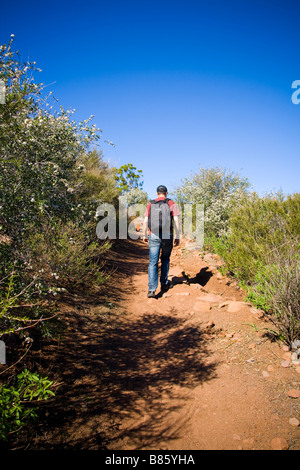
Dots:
pixel 173 208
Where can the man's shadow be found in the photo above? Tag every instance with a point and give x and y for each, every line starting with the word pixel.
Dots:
pixel 201 278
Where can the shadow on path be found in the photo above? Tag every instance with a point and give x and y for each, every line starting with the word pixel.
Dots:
pixel 201 278
pixel 122 369
pixel 115 367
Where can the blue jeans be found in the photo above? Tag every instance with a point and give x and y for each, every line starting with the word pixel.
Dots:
pixel 156 245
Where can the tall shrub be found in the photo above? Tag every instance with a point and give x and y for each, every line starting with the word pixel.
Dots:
pixel 42 184
pixel 263 250
pixel 219 190
pixel 259 227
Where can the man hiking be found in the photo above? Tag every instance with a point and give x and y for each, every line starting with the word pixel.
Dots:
pixel 161 218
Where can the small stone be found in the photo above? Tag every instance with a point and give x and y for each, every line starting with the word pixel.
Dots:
pixel 295 358
pixel 285 363
pixel 285 348
pixel 265 373
pixel 293 393
pixel 235 306
pixel 251 360
pixel 182 293
pixel 210 298
pixel 294 421
pixel 279 443
pixel 270 368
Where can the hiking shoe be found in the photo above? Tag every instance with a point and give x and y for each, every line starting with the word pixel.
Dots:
pixel 167 286
pixel 151 293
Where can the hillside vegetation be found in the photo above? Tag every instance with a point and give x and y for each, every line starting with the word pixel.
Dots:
pixel 258 237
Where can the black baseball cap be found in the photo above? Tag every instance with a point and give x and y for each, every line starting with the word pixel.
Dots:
pixel 161 189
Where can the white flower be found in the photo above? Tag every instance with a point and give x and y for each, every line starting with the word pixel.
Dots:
pixel 28 340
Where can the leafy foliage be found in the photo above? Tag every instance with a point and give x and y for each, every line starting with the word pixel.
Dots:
pixel 39 150
pixel 276 290
pixel 219 190
pixel 49 182
pixel 128 177
pixel 96 181
pixel 259 228
pixel 14 400
pixel 65 258
pixel 262 250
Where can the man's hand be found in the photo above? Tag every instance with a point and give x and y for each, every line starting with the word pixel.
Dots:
pixel 145 230
pixel 177 231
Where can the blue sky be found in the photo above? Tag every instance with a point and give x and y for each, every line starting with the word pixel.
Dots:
pixel 175 85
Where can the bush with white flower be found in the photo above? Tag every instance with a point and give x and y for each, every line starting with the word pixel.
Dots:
pixel 219 190
pixel 42 180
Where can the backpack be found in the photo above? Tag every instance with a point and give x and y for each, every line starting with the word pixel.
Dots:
pixel 160 220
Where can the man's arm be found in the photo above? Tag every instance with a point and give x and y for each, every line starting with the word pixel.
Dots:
pixel 177 230
pixel 145 230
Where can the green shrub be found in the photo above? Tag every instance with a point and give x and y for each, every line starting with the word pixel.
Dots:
pixel 40 183
pixel 219 245
pixel 95 181
pixel 14 400
pixel 66 258
pixel 259 228
pixel 39 150
pixel 276 290
pixel 262 251
pixel 23 304
pixel 219 190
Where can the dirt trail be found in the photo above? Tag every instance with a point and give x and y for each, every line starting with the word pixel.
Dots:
pixel 192 369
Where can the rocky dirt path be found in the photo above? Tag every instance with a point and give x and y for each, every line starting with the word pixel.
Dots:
pixel 192 369
pixel 205 375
